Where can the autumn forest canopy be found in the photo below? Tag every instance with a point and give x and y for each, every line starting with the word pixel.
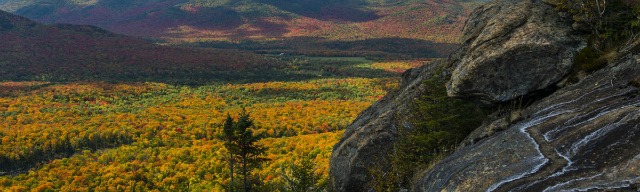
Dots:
pixel 199 95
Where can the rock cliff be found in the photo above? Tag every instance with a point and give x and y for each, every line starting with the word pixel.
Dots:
pixel 369 138
pixel 581 137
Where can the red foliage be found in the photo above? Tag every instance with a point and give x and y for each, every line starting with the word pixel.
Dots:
pixel 432 20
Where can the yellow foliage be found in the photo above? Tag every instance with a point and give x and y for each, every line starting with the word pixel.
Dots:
pixel 154 136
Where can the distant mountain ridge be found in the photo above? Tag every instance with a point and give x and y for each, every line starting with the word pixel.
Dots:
pixel 432 20
pixel 64 52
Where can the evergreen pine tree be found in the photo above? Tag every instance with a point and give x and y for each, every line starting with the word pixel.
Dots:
pixel 230 142
pixel 241 143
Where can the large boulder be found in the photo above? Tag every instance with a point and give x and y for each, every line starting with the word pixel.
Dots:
pixel 583 137
pixel 512 48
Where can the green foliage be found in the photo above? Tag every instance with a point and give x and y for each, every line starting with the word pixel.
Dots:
pixel 69 144
pixel 586 11
pixel 242 147
pixel 439 124
pixel 613 27
pixel 635 82
pixel 302 177
pixel 230 143
pixel 589 59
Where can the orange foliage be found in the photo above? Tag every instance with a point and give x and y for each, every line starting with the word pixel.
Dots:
pixel 97 136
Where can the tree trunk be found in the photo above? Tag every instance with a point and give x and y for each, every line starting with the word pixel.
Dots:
pixel 231 161
pixel 244 172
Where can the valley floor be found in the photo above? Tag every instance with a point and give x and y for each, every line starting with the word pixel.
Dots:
pixel 97 136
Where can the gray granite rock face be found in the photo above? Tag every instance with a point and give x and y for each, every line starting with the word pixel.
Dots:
pixel 511 48
pixel 582 137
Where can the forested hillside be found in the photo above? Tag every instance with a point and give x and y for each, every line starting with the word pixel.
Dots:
pixel 197 20
pixel 33 51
